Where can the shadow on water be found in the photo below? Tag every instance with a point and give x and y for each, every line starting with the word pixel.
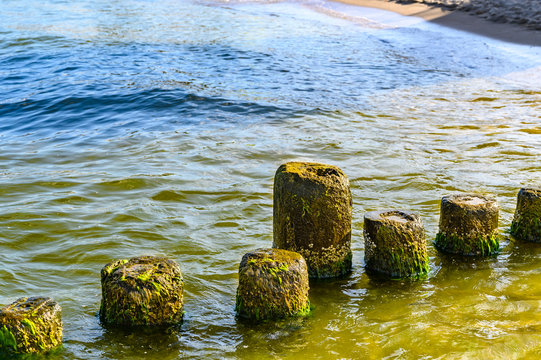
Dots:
pixel 462 263
pixel 520 253
pixel 276 339
pixel 140 343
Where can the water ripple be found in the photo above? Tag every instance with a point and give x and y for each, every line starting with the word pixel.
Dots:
pixel 156 128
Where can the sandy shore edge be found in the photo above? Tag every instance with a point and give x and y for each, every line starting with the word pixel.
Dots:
pixel 456 19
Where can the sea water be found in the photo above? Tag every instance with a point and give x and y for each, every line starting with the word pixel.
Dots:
pixel 155 127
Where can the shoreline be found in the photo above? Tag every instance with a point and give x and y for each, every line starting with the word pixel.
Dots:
pixel 456 19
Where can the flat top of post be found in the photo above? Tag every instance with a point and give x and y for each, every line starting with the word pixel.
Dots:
pixel 396 216
pixel 311 169
pixel 271 257
pixel 530 190
pixel 150 266
pixel 473 200
pixel 469 200
pixel 27 304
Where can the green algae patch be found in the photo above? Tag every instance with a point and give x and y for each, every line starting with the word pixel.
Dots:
pixel 395 244
pixel 30 325
pixel 273 284
pixel 526 225
pixel 482 246
pixel 142 291
pixel 468 225
pixel 312 210
pixel 8 342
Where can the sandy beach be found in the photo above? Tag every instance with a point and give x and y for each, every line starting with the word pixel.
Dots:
pixel 513 21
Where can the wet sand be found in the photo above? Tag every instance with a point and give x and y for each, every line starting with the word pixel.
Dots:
pixel 457 19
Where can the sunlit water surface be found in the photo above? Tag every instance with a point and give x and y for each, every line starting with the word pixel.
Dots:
pixel 155 127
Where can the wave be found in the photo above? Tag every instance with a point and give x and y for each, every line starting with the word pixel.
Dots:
pixel 155 109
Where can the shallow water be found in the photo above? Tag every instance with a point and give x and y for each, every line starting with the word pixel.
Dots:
pixel 142 127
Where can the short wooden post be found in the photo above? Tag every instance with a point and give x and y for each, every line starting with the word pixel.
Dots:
pixel 143 290
pixel 468 225
pixel 395 244
pixel 312 216
pixel 526 223
pixel 273 283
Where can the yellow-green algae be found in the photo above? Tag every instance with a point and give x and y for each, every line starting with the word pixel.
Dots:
pixel 273 283
pixel 526 223
pixel 30 325
pixel 395 244
pixel 468 225
pixel 144 290
pixel 312 216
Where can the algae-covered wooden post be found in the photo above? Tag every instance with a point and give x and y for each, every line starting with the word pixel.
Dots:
pixel 395 244
pixel 312 216
pixel 526 223
pixel 143 290
pixel 30 325
pixel 273 283
pixel 468 225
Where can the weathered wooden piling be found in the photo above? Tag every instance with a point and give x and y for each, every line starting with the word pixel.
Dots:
pixel 468 225
pixel 143 290
pixel 395 244
pixel 30 325
pixel 526 223
pixel 312 216
pixel 273 283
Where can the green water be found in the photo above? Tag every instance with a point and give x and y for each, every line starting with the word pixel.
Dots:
pixel 144 128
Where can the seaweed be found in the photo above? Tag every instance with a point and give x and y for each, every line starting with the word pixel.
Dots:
pixel 472 246
pixel 8 342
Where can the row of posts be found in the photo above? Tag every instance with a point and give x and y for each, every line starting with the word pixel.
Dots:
pixel 312 214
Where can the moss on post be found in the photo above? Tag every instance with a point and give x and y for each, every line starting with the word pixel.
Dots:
pixel 526 223
pixel 30 325
pixel 312 216
pixel 273 283
pixel 468 225
pixel 144 290
pixel 395 244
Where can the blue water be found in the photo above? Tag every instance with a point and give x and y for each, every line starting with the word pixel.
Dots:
pixel 144 127
pixel 147 66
